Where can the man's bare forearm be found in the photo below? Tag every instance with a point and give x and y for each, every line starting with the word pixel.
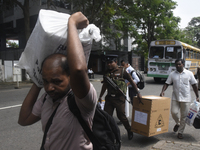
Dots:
pixel 27 106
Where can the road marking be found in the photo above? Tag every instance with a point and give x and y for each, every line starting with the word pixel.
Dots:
pixel 10 106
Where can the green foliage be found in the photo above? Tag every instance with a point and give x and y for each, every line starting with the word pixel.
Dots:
pixel 154 20
pixel 192 31
pixel 111 16
pixel 11 44
pixel 143 20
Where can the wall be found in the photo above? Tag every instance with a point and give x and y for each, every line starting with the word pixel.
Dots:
pixel 1 71
pixel 136 63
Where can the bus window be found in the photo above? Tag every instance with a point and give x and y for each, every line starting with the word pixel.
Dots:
pixel 179 53
pixel 184 53
pixel 156 52
pixel 173 52
pixel 187 53
pixel 198 56
pixel 191 55
pixel 195 55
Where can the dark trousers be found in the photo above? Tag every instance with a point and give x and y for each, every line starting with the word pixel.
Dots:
pixel 91 75
pixel 118 103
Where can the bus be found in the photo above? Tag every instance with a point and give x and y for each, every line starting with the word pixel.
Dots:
pixel 162 56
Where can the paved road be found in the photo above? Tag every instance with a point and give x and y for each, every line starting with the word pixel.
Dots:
pixel 15 137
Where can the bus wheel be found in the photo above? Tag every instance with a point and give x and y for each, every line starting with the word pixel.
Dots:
pixel 157 79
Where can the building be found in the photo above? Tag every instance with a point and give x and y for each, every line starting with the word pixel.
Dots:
pixel 12 27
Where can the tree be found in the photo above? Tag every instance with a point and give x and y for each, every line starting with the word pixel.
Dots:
pixel 111 16
pixel 183 36
pixel 9 4
pixel 154 20
pixel 193 31
pixel 12 44
pixel 25 6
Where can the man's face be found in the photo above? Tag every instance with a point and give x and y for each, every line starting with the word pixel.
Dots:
pixel 56 82
pixel 179 66
pixel 123 64
pixel 111 65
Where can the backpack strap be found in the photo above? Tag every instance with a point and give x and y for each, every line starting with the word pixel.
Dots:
pixel 48 125
pixel 75 110
pixel 132 72
pixel 45 97
pixel 122 72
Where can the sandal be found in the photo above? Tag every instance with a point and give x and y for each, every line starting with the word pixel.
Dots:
pixel 180 136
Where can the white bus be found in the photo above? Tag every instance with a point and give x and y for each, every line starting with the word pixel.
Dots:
pixel 162 56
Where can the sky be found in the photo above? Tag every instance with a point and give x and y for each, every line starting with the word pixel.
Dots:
pixel 186 10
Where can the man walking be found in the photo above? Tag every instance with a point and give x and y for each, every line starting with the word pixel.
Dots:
pixel 181 96
pixel 130 70
pixel 61 75
pixel 115 99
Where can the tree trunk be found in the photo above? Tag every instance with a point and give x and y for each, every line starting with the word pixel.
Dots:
pixel 26 19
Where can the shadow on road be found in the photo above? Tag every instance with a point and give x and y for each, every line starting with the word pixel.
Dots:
pixel 153 82
pixel 139 141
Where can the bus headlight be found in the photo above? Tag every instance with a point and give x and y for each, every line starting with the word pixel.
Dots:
pixel 152 69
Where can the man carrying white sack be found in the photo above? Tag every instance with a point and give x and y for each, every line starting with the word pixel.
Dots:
pixel 65 132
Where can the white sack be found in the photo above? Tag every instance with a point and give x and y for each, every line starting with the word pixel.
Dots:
pixel 49 36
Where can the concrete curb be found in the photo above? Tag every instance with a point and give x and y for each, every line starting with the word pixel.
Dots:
pixel 166 145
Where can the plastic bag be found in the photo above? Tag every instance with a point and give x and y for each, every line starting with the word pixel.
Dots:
pixel 102 104
pixel 192 113
pixel 49 36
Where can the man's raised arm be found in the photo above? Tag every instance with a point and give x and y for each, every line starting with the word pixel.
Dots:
pixel 75 56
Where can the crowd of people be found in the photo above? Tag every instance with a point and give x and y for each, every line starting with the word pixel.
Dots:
pixel 63 74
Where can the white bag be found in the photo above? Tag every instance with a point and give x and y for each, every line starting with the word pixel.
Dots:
pixel 102 104
pixel 49 36
pixel 192 113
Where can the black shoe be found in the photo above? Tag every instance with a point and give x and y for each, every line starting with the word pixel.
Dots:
pixel 176 128
pixel 119 123
pixel 130 135
pixel 180 136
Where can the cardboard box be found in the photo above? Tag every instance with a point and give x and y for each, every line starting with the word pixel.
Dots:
pixel 152 118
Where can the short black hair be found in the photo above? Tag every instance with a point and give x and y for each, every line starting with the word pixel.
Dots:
pixel 62 60
pixel 122 61
pixel 181 60
pixel 125 61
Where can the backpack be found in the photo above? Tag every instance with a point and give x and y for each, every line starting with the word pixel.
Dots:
pixel 105 134
pixel 140 84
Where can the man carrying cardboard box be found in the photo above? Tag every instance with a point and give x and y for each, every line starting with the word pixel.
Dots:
pixel 181 96
pixel 115 98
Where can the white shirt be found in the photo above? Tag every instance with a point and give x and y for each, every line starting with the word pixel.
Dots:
pixel 134 75
pixel 181 85
pixel 90 71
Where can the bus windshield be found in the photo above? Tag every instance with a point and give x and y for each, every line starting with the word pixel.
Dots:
pixel 172 52
pixel 156 52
